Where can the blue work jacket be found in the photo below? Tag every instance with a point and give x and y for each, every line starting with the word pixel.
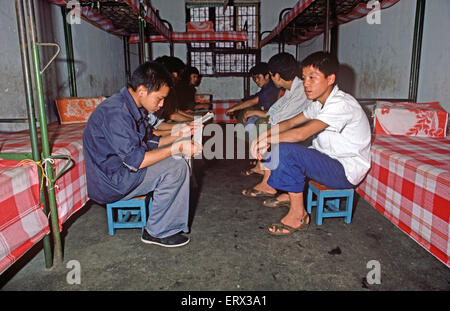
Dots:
pixel 115 139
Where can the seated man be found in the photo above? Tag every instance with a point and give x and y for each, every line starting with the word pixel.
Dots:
pixel 284 71
pixel 125 159
pixel 172 111
pixel 262 100
pixel 258 103
pixel 186 90
pixel 340 153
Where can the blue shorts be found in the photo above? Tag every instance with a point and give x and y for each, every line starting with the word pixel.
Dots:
pixel 296 162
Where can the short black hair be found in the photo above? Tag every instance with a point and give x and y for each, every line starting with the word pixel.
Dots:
pixel 172 63
pixel 260 69
pixel 285 65
pixel 326 63
pixel 150 75
pixel 191 70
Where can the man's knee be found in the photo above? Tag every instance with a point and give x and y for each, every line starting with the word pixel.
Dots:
pixel 178 167
pixel 286 154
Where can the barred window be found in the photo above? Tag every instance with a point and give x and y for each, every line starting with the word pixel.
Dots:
pixel 225 58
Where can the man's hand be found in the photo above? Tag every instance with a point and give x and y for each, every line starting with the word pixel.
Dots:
pixel 186 129
pixel 230 111
pixel 188 148
pixel 260 146
pixel 247 115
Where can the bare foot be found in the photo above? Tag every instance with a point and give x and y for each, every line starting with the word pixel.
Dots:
pixel 257 170
pixel 284 197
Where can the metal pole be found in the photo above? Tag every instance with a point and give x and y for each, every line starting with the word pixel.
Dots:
pixel 126 56
pixel 281 43
pixel 35 154
pixel 171 47
pixel 416 51
pixel 149 51
pixel 44 133
pixel 141 34
pixel 69 54
pixel 326 34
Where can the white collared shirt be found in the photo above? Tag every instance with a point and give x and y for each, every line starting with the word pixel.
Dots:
pixel 347 137
pixel 292 103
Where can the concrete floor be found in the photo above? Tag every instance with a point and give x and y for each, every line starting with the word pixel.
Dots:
pixel 230 250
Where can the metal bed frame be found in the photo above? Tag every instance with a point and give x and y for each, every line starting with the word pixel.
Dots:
pixel 323 13
pixel 136 19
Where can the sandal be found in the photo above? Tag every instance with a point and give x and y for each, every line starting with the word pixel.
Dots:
pixel 253 193
pixel 279 226
pixel 273 202
pixel 247 172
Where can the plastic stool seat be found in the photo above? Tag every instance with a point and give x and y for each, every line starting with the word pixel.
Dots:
pixel 120 214
pixel 328 202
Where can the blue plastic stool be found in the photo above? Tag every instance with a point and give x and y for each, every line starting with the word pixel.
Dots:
pixel 328 202
pixel 119 214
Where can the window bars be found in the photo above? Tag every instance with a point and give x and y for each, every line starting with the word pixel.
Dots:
pixel 225 58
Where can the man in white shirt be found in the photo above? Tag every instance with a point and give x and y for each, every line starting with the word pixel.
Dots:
pixel 340 153
pixel 284 72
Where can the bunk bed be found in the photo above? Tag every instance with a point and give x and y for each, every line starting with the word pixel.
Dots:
pixel 203 32
pixel 310 18
pixel 34 202
pixel 409 179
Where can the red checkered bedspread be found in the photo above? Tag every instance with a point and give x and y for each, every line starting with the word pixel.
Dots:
pixel 409 183
pixel 220 107
pixel 22 221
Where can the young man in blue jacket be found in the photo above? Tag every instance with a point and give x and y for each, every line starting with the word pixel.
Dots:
pixel 124 158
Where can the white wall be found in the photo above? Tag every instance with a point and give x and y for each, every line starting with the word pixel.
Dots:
pixel 376 59
pixel 99 62
pixel 12 99
pixel 380 55
pixel 434 73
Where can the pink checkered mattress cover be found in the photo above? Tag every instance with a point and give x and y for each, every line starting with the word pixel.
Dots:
pixel 22 220
pixel 409 183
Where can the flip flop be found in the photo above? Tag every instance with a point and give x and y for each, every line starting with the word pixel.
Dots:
pixel 273 203
pixel 252 193
pixel 279 226
pixel 247 172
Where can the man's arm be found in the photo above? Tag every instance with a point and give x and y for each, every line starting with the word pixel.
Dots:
pixel 262 143
pixel 179 117
pixel 162 132
pixel 178 131
pixel 302 133
pixel 250 113
pixel 167 140
pixel 284 126
pixel 186 147
pixel 153 156
pixel 294 135
pixel 248 103
pixel 165 126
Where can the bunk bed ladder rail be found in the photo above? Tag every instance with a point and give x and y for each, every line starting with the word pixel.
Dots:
pixel 46 156
pixel 35 154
